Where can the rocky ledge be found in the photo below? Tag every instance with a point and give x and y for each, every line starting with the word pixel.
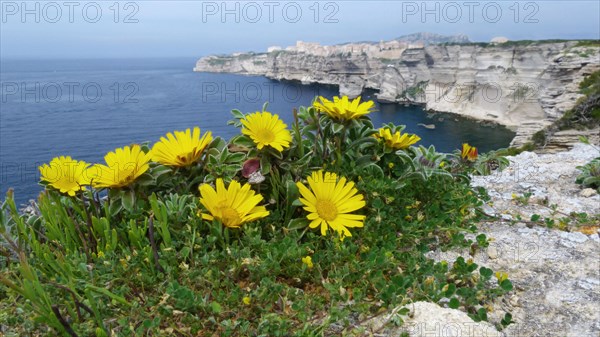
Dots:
pixel 555 273
pixel 525 86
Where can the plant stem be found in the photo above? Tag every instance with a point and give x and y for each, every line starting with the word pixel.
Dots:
pixel 153 243
pixel 63 322
pixel 88 221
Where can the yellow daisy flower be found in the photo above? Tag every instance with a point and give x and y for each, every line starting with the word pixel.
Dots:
pixel 124 166
pixel 233 206
pixel 329 203
pixel 397 140
pixel 65 174
pixel 343 108
pixel 266 129
pixel 182 149
pixel 468 152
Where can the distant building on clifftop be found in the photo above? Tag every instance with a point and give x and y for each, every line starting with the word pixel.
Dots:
pixel 498 40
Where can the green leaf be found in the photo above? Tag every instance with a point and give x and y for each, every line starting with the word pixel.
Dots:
pixel 296 224
pixel 237 114
pixel 404 311
pixel 215 307
pixel 243 141
pixel 535 217
pixel 472 267
pixel 114 208
pixel 363 161
pixel 336 128
pixel 128 200
pixel 507 320
pixel 146 179
pixel 482 314
pixel 506 285
pixel 486 272
pixel 361 141
pixel 103 291
pixel 236 157
pixel 185 252
pixel 114 194
pixel 265 165
pixel 454 303
pixel 378 204
pixel 451 290
pixel 159 170
pixel 291 191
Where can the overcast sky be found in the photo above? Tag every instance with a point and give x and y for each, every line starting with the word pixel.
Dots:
pixel 82 29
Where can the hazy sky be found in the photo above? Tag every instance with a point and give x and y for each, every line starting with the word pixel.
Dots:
pixel 47 29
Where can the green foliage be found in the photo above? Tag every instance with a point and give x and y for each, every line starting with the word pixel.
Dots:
pixel 590 174
pixel 586 113
pixel 414 91
pixel 516 43
pixel 591 84
pixel 139 260
pixel 588 43
pixel 513 151
pixel 539 138
pixel 221 60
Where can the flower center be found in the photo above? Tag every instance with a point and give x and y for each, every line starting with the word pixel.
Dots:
pixel 123 177
pixel 326 210
pixel 183 160
pixel 265 136
pixel 230 216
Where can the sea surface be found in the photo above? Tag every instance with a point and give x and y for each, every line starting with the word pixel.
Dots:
pixel 85 108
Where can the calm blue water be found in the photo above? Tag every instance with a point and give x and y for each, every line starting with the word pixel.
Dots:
pixel 85 108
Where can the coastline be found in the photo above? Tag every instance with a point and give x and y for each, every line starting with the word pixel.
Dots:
pixel 518 85
pixel 422 105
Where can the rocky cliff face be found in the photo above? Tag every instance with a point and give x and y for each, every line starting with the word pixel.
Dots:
pixel 525 87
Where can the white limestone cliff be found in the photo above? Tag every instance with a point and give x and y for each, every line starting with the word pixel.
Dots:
pixel 522 86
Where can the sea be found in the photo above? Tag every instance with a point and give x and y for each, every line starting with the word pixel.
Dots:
pixel 85 108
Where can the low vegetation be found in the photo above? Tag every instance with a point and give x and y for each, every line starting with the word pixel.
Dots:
pixel 585 115
pixel 277 232
pixel 590 174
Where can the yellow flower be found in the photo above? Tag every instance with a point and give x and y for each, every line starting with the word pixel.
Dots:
pixel 246 300
pixel 501 276
pixel 233 206
pixel 65 174
pixel 343 108
pixel 308 262
pixel 469 152
pixel 182 149
pixel 330 201
pixel 123 167
pixel 266 129
pixel 397 141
